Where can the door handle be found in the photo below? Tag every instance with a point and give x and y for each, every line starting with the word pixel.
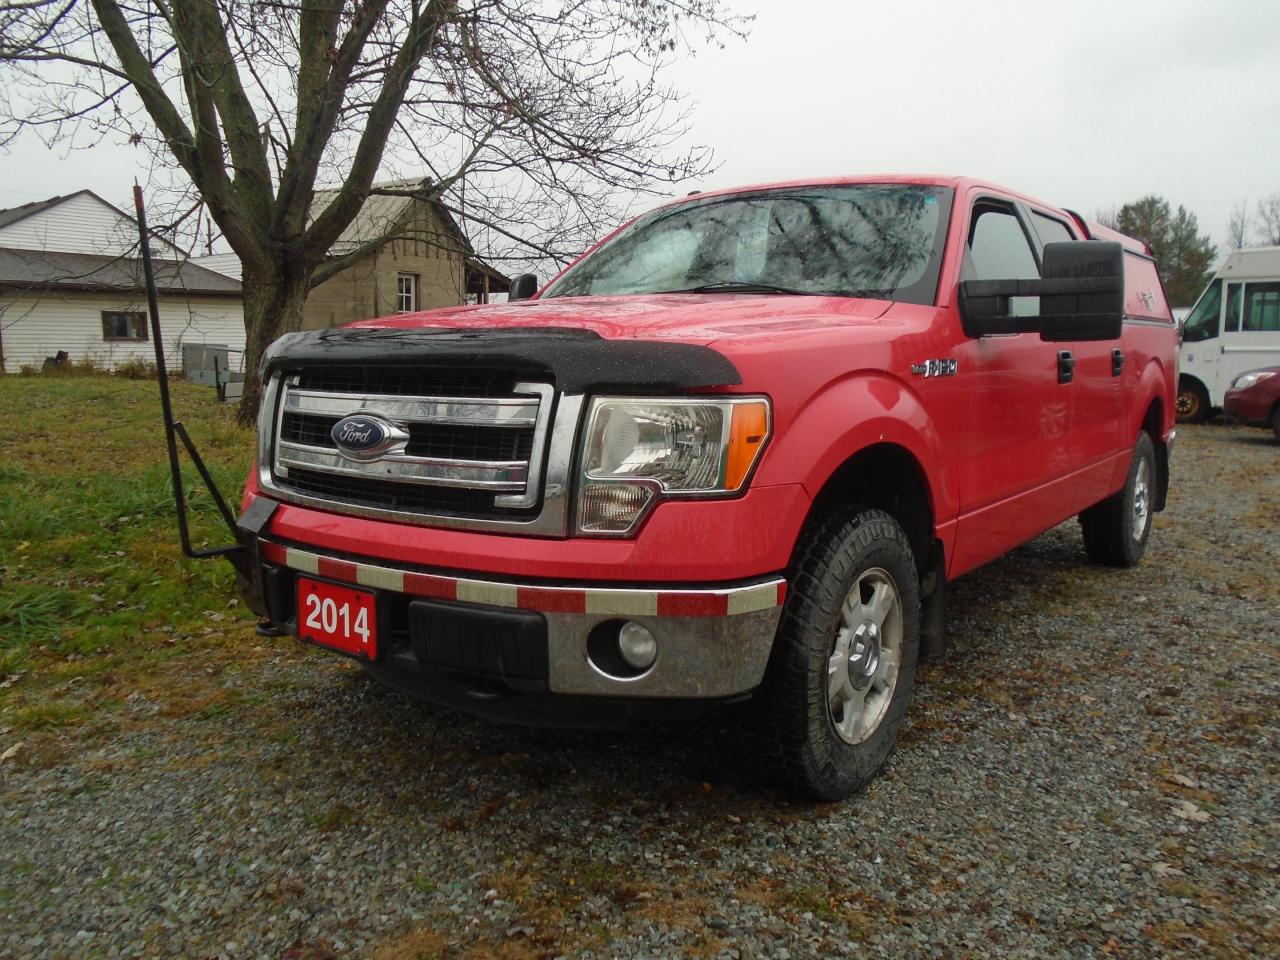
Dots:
pixel 1066 366
pixel 1117 362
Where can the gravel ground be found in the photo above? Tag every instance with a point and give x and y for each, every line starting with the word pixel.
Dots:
pixel 1092 771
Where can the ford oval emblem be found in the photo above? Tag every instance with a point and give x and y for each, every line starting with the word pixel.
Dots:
pixel 362 437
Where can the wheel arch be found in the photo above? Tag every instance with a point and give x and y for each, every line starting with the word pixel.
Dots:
pixel 867 435
pixel 884 476
pixel 1153 425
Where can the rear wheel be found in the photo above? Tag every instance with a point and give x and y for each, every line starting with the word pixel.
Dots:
pixel 1275 423
pixel 1192 403
pixel 1116 530
pixel 825 720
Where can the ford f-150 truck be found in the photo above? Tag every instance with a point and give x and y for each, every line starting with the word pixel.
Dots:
pixel 732 455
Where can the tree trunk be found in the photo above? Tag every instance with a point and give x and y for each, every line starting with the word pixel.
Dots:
pixel 273 302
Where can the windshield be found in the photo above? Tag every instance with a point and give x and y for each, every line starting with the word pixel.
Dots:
pixel 871 240
pixel 1202 323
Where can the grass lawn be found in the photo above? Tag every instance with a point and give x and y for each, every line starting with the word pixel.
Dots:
pixel 96 600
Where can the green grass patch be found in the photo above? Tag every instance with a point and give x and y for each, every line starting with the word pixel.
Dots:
pixel 46 715
pixel 93 586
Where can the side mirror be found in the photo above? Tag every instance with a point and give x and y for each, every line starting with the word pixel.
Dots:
pixel 523 287
pixel 1081 291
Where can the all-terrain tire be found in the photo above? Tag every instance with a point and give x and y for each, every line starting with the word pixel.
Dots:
pixel 853 565
pixel 1116 531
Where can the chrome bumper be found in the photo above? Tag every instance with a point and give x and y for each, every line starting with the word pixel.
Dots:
pixel 698 657
pixel 713 642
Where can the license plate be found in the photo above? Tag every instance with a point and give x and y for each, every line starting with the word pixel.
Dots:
pixel 338 617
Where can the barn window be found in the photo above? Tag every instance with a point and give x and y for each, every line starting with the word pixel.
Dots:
pixel 406 292
pixel 124 325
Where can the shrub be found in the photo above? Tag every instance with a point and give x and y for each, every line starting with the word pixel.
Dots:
pixel 136 370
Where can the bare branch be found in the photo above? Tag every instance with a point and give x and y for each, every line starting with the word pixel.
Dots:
pixel 535 124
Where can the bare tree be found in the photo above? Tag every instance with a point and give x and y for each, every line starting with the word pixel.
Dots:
pixel 1109 217
pixel 1268 221
pixel 1238 226
pixel 550 113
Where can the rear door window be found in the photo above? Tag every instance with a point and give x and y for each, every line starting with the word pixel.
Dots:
pixel 1051 229
pixel 1261 308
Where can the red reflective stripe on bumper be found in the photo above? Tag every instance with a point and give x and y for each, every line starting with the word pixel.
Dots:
pixel 336 569
pixel 692 605
pixel 551 601
pixel 425 585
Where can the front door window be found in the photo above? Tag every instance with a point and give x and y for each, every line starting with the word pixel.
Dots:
pixel 1202 323
pixel 999 250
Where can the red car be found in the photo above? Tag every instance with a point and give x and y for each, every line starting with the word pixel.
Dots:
pixel 1254 399
pixel 731 456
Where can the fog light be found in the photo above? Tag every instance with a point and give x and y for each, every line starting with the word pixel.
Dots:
pixel 612 507
pixel 637 645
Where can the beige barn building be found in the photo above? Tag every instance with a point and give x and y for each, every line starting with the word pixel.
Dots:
pixel 427 262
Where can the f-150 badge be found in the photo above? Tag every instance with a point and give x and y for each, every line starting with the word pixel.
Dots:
pixel 935 368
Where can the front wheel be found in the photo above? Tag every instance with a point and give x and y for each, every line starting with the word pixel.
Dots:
pixel 1116 530
pixel 1275 423
pixel 825 720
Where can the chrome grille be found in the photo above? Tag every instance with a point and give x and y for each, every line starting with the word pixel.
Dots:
pixel 476 441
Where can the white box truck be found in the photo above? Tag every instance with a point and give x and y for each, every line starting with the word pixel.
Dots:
pixel 1234 327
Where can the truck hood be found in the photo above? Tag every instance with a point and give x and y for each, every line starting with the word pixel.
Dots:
pixel 684 317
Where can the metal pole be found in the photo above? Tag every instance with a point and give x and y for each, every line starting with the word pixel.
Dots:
pixel 172 428
pixel 161 371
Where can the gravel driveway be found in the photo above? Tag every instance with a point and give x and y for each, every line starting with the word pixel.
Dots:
pixel 1093 771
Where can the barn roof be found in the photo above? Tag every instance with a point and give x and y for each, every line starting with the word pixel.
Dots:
pixel 380 215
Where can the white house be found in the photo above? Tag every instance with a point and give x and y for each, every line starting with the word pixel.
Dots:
pixel 71 280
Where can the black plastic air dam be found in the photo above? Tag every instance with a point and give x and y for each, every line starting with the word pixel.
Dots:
pixel 578 361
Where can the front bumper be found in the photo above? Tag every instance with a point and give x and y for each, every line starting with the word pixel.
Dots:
pixel 713 641
pixel 1249 407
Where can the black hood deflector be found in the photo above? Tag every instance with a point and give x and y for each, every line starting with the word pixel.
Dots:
pixel 578 361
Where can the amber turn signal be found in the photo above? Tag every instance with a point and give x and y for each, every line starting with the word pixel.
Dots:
pixel 747 433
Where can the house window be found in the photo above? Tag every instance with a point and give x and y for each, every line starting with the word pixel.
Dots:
pixel 124 325
pixel 406 292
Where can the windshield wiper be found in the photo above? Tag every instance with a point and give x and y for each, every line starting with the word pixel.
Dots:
pixel 741 286
pixel 745 286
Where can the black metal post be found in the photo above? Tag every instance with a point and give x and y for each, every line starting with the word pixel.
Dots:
pixel 173 429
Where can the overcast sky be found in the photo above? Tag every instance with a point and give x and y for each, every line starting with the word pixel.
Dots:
pixel 1084 104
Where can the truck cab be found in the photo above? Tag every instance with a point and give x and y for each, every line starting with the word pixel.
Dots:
pixel 730 457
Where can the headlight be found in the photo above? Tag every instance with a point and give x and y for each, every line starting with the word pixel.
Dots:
pixel 636 451
pixel 1247 380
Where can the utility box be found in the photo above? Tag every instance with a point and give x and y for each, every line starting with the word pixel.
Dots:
pixel 201 362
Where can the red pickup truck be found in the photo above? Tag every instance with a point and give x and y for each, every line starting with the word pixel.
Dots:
pixel 730 456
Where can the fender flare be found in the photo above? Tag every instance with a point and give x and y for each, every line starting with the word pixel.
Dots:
pixel 850 415
pixel 1151 387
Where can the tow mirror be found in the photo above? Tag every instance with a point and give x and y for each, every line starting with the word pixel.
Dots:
pixel 1081 291
pixel 523 287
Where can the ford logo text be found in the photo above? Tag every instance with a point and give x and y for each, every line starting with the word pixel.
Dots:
pixel 365 437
